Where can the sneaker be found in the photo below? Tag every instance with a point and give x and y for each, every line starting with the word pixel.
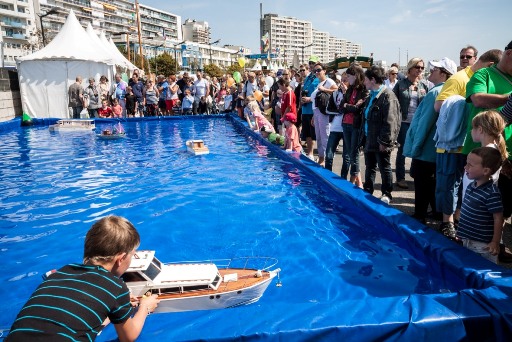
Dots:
pixel 448 230
pixel 385 199
pixel 402 184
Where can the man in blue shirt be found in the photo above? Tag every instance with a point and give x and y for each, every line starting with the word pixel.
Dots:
pixel 309 85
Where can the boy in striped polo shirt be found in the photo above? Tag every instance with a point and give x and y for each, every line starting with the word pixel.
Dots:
pixel 481 217
pixel 75 302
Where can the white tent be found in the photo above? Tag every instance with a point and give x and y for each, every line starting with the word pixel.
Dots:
pixel 116 53
pixel 46 75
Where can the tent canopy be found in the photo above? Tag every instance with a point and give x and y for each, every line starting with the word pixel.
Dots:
pixel 45 76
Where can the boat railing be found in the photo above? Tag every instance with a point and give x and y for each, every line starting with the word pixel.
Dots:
pixel 249 262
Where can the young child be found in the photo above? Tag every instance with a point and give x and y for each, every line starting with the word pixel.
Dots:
pixel 75 301
pixel 291 134
pixel 105 111
pixel 272 136
pixel 117 110
pixel 487 128
pixel 481 215
pixel 131 101
pixel 187 103
pixel 248 113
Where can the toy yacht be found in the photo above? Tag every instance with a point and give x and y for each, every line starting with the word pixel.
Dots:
pixel 200 285
pixel 197 147
pixel 72 125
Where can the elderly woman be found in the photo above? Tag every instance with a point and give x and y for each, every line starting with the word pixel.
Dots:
pixel 392 77
pixel 91 92
pixel 409 91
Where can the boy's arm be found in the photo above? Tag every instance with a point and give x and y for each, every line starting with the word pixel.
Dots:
pixel 494 245
pixel 132 327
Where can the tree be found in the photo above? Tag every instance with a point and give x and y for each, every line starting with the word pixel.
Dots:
pixel 163 64
pixel 234 67
pixel 213 70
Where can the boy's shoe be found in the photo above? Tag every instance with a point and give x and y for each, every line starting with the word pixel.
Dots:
pixel 402 184
pixel 385 199
pixel 448 230
pixel 504 256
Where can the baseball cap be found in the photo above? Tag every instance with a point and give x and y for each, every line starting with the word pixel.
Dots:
pixel 446 64
pixel 289 117
pixel 313 58
pixel 509 46
pixel 279 73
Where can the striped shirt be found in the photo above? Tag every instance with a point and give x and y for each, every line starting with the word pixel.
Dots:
pixel 71 305
pixel 476 215
pixel 506 111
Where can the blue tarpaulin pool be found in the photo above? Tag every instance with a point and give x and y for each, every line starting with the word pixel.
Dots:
pixel 352 267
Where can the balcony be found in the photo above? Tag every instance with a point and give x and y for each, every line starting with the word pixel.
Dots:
pixel 15 36
pixel 13 24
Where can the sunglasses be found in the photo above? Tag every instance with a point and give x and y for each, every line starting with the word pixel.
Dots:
pixel 419 67
pixel 466 57
pixel 394 73
pixel 302 70
pixel 318 70
pixel 286 74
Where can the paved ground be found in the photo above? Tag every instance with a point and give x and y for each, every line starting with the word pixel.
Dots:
pixel 403 199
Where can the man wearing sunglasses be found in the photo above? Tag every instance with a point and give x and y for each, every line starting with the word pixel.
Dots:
pixel 308 87
pixel 468 56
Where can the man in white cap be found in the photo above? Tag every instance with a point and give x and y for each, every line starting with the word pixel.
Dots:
pixel 419 143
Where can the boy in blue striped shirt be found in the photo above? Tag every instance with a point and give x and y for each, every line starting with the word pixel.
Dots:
pixel 481 217
pixel 74 303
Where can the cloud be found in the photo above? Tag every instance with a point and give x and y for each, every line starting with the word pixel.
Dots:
pixel 401 17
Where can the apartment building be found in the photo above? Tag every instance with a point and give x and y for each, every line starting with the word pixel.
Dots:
pixel 291 35
pixel 17 22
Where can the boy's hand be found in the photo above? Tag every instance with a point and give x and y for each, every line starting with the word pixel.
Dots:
pixel 494 247
pixel 149 303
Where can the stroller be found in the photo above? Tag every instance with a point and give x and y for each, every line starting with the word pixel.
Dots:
pixel 214 107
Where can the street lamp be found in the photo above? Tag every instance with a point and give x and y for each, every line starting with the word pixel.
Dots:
pixel 215 42
pixel 53 10
pixel 303 47
pixel 176 54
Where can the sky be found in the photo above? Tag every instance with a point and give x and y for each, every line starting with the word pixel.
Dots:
pixel 394 30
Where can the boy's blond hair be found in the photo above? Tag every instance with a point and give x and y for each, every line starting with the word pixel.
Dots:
pixel 109 237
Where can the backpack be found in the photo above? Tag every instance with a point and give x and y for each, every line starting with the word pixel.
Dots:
pixel 332 106
pixel 321 101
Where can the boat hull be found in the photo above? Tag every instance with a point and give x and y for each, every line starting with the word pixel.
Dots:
pixel 215 300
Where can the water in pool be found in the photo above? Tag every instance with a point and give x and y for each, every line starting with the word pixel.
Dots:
pixel 239 200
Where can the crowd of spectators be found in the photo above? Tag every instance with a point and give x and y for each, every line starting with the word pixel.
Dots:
pixel 424 113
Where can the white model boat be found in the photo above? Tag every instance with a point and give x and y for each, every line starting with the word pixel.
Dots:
pixel 194 285
pixel 197 147
pixel 72 125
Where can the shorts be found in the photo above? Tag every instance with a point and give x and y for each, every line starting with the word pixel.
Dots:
pixel 170 104
pixel 308 130
pixel 479 248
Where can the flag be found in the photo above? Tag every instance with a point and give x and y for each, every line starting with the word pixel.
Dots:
pixel 265 42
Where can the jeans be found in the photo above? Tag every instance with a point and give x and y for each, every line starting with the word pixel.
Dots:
pixel 350 151
pixel 383 160
pixel 77 111
pixel 424 174
pixel 93 112
pixel 400 159
pixel 449 171
pixel 332 144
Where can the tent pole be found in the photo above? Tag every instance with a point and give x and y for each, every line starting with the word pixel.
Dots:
pixel 139 33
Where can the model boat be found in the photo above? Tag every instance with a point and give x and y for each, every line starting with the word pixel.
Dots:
pixel 197 147
pixel 72 125
pixel 117 132
pixel 200 285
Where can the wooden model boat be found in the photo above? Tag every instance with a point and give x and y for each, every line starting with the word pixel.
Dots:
pixel 197 147
pixel 199 285
pixel 71 125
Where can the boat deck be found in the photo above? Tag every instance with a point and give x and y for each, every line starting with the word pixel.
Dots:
pixel 246 278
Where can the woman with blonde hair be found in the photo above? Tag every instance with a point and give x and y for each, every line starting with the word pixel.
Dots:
pixel 410 92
